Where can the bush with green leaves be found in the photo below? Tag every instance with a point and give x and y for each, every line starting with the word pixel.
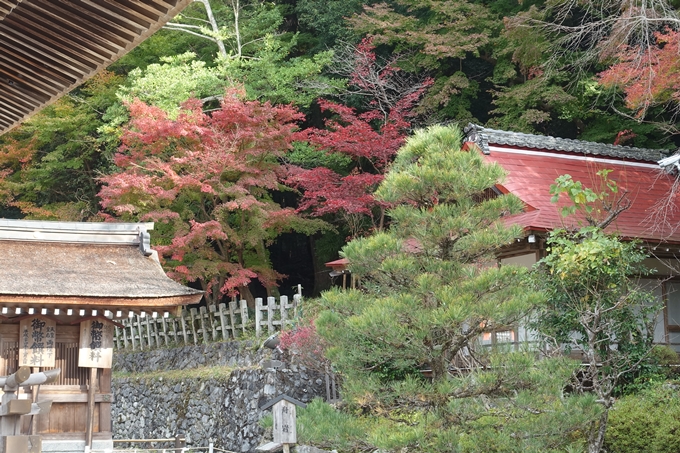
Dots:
pixel 595 306
pixel 648 422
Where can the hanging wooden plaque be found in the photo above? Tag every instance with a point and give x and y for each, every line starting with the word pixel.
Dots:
pixel 96 343
pixel 37 336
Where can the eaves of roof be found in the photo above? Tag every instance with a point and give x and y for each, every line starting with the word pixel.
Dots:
pixel 532 164
pixel 484 137
pixel 49 47
pixel 83 270
pixel 98 265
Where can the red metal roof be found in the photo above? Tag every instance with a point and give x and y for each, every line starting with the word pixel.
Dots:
pixel 340 264
pixel 531 172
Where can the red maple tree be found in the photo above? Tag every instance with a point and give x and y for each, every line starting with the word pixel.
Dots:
pixel 207 180
pixel 648 76
pixel 370 138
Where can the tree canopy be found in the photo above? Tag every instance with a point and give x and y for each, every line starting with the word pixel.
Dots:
pixel 209 179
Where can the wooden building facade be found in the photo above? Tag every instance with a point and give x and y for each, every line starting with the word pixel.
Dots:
pixel 63 285
pixel 532 164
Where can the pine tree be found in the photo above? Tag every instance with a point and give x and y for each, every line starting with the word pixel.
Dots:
pixel 431 283
pixel 430 286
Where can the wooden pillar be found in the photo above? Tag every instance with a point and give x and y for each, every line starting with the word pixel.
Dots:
pixel 90 408
pixel 105 404
pixel 34 397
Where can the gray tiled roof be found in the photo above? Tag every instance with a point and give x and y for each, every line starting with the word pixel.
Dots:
pixel 483 136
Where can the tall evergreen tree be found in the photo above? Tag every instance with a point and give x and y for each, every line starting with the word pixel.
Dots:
pixel 430 288
pixel 431 283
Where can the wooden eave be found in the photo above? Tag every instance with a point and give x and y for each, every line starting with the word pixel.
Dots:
pixel 112 304
pixel 49 47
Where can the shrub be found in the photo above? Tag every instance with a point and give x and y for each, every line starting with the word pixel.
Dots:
pixel 648 422
pixel 305 347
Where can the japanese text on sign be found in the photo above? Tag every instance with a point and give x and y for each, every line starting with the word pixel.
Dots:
pixel 37 342
pixel 96 344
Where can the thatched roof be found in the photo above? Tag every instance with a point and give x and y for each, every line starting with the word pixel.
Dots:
pixel 83 270
pixel 64 264
pixel 48 47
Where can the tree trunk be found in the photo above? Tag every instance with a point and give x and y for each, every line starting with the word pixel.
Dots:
pixel 322 279
pixel 215 28
pixel 245 294
pixel 596 438
pixel 440 368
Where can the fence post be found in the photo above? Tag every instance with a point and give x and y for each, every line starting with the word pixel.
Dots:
pixel 193 315
pixel 271 302
pixel 233 308
pixel 297 299
pixel 165 328
pixel 223 321
pixel 283 301
pixel 179 444
pixel 139 332
pixel 258 316
pixel 184 326
pixel 126 324
pixel 148 331
pixel 203 314
pixel 212 317
pixel 117 338
pixel 244 316
pixel 156 330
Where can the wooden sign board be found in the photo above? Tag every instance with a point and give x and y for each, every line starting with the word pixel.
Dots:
pixel 96 343
pixel 285 431
pixel 37 347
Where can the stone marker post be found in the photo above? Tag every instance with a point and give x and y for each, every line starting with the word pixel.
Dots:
pixel 285 420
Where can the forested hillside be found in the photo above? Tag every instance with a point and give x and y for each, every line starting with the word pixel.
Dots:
pixel 255 133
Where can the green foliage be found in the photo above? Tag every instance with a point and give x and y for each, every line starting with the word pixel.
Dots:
pixel 326 427
pixel 50 164
pixel 307 156
pixel 272 74
pixel 594 304
pixel 591 273
pixel 646 422
pixel 428 291
pixel 169 84
pixel 424 284
pixel 592 204
pixel 323 22
pixel 532 416
pixel 660 365
pixel 526 107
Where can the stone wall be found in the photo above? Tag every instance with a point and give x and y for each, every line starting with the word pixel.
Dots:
pixel 222 410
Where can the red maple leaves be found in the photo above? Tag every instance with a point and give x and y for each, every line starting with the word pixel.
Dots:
pixel 207 180
pixel 648 76
pixel 371 138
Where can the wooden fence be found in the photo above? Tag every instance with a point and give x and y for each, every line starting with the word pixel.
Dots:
pixel 208 324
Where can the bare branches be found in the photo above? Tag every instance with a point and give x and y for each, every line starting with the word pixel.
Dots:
pixel 378 80
pixel 212 34
pixel 598 28
pixel 592 31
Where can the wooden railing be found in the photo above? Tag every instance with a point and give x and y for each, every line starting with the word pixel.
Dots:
pixel 208 324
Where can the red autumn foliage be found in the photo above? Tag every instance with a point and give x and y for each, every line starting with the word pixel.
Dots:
pixel 305 346
pixel 207 181
pixel 648 76
pixel 371 138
